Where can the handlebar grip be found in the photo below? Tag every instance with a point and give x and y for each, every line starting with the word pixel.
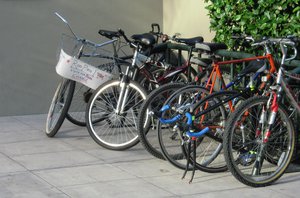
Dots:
pixel 169 121
pixel 166 121
pixel 175 118
pixel 189 122
pixel 197 134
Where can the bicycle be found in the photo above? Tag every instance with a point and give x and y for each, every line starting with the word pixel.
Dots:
pixel 115 104
pixel 160 70
pixel 73 68
pixel 153 102
pixel 259 140
pixel 210 111
pixel 77 94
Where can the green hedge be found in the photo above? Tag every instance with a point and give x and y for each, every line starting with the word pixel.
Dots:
pixel 272 18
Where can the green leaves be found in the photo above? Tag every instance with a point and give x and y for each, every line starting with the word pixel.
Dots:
pixel 257 18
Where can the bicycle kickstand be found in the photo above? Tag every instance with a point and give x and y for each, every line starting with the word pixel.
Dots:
pixel 189 161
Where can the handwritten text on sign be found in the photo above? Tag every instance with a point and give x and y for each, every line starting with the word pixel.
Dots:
pixel 79 71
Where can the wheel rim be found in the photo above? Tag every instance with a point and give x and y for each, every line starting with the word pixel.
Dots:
pixel 245 146
pixel 108 127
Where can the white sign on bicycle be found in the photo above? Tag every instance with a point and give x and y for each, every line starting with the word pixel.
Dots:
pixel 79 71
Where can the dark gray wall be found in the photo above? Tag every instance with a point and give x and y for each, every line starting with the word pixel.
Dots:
pixel 29 38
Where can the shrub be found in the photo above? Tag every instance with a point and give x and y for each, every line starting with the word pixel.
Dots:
pixel 258 18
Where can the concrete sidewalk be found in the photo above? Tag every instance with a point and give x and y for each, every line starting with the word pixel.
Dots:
pixel 73 165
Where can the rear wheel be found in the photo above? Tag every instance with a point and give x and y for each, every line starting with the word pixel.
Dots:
pixel 147 128
pixel 170 141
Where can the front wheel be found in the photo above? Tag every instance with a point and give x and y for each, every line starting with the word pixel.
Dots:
pixel 147 123
pixel 59 106
pixel 110 128
pixel 251 159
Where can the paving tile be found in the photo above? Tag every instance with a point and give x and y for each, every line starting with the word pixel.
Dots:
pixel 123 188
pixel 55 160
pixel 35 121
pixel 12 124
pixel 82 175
pixel 44 145
pixel 243 192
pixel 9 166
pixel 39 121
pixel 110 156
pixel 288 185
pixel 20 136
pixel 202 183
pixel 72 165
pixel 26 185
pixel 78 137
pixel 149 168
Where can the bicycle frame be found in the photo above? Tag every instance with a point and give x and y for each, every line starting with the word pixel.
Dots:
pixel 216 72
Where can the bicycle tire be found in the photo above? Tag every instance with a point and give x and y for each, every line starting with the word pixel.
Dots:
pixel 210 147
pixel 146 123
pixel 109 126
pixel 61 101
pixel 239 160
pixel 76 112
pixel 170 142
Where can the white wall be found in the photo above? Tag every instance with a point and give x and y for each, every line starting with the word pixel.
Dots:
pixel 188 17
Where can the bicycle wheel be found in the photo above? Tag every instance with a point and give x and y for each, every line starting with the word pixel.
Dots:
pixel 209 151
pixel 147 124
pixel 110 129
pixel 170 141
pixel 249 160
pixel 59 106
pixel 76 112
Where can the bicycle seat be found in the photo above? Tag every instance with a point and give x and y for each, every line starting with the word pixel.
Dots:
pixel 144 39
pixel 252 67
pixel 109 34
pixel 190 41
pixel 210 47
pixel 204 62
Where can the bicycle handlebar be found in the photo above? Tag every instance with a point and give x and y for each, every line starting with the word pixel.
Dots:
pixel 266 41
pixel 283 42
pixel 189 122
pixel 243 37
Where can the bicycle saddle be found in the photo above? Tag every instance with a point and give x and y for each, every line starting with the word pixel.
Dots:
pixel 204 62
pixel 144 39
pixel 252 67
pixel 190 41
pixel 210 47
pixel 109 34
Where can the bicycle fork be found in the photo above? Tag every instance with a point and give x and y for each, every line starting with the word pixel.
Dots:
pixel 273 105
pixel 123 95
